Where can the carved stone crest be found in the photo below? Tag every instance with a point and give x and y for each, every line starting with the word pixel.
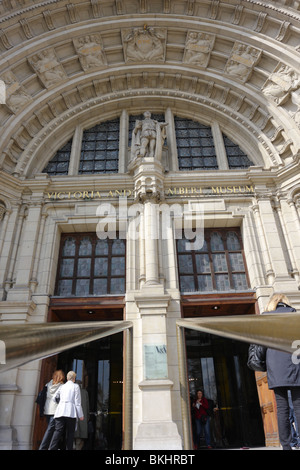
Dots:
pixel 48 67
pixel 281 83
pixel 242 60
pixel 90 51
pixel 144 44
pixel 198 48
pixel 16 96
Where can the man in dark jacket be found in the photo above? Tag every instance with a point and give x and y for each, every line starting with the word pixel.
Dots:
pixel 283 374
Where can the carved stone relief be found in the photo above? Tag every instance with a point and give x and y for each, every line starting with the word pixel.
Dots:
pixel 90 51
pixel 242 60
pixel 281 83
pixel 198 48
pixel 295 105
pixel 48 68
pixel 16 96
pixel 2 210
pixel 144 44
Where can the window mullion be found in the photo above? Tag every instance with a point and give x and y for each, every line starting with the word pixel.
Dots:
pixel 109 262
pixel 75 151
pixel 77 244
pixel 229 270
pixel 219 147
pixel 213 277
pixel 123 142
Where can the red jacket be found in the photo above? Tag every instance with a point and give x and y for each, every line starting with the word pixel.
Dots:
pixel 202 410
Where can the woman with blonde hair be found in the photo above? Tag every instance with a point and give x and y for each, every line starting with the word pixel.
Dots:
pixel 68 411
pixel 58 379
pixel 283 374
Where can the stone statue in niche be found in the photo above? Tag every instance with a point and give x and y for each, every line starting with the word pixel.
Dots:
pixel 16 96
pixel 281 83
pixel 198 47
pixel 148 137
pixel 144 44
pixel 90 51
pixel 242 60
pixel 48 67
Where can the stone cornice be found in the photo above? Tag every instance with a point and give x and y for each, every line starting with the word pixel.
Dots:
pixel 289 11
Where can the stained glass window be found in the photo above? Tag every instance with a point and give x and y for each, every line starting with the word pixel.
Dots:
pixel 218 265
pixel 195 145
pixel 237 159
pixel 90 266
pixel 100 148
pixel 59 164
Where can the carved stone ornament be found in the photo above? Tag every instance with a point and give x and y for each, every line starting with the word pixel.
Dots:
pixel 90 51
pixel 16 96
pixel 144 44
pixel 48 67
pixel 281 83
pixel 198 48
pixel 241 62
pixel 295 112
pixel 2 210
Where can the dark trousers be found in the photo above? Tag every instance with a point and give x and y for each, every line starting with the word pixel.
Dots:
pixel 283 410
pixel 48 434
pixel 63 425
pixel 201 426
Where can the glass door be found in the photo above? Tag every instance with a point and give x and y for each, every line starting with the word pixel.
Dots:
pixel 218 366
pixel 99 369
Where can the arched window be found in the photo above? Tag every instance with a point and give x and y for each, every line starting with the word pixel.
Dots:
pixel 195 145
pixel 237 159
pixel 59 164
pixel 100 148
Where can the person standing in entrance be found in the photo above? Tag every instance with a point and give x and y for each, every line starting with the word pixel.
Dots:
pixel 57 381
pixel 68 410
pixel 200 407
pixel 283 374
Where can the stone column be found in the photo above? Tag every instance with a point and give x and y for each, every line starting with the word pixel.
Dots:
pixel 282 280
pixel 155 428
pixel 151 237
pixel 25 255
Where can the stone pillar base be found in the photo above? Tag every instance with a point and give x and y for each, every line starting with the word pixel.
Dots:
pixel 157 430
pixel 6 439
pixel 158 436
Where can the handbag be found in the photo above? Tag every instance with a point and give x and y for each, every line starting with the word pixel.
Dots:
pixel 41 400
pixel 203 419
pixel 257 358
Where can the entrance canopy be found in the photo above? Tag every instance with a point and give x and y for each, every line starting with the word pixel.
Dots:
pixel 24 343
pixel 279 331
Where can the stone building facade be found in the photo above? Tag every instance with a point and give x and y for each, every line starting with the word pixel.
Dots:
pixel 221 83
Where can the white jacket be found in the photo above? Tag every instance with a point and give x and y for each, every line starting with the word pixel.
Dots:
pixel 50 404
pixel 70 401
